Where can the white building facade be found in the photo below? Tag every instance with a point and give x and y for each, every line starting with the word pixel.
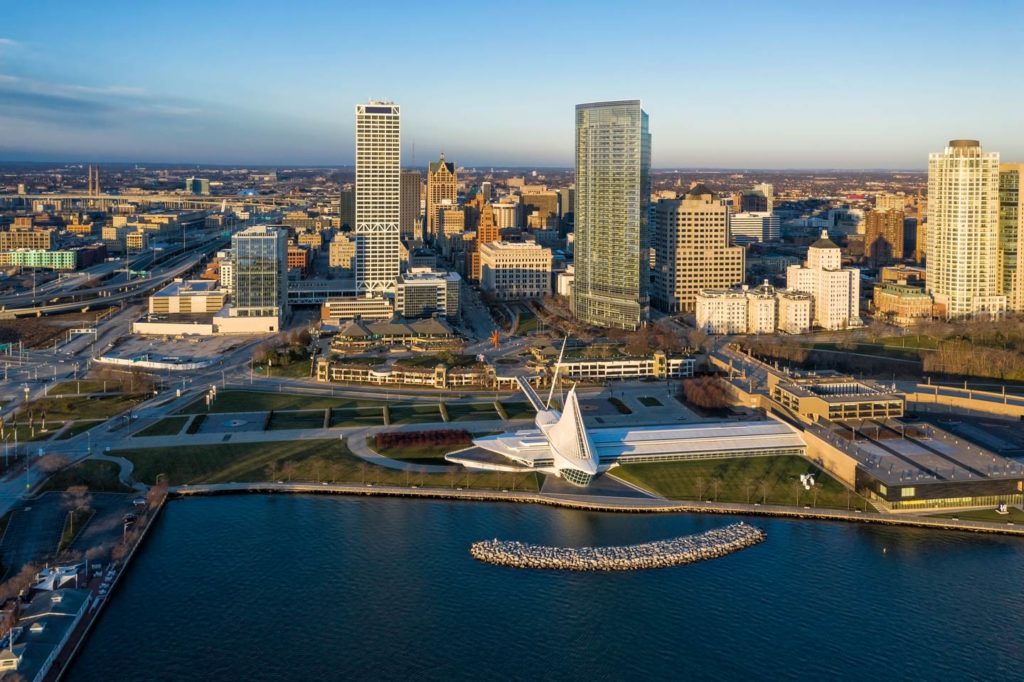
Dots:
pixel 835 289
pixel 963 230
pixel 378 196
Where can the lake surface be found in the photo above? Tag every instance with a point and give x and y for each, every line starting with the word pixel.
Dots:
pixel 307 587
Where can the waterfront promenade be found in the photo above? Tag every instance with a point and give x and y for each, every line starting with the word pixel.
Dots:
pixel 600 503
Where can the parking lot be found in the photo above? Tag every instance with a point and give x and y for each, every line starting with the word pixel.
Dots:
pixel 35 528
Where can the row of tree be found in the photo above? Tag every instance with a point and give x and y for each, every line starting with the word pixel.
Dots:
pixel 708 392
pixel 404 439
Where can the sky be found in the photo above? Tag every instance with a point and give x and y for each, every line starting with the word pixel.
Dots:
pixel 727 83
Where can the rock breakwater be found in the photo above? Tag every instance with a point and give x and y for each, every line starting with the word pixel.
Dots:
pixel 659 554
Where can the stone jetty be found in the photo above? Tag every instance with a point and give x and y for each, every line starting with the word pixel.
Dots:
pixel 659 554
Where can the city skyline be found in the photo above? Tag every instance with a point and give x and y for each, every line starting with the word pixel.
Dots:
pixel 770 95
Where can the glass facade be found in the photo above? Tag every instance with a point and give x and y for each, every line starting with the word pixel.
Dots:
pixel 1010 255
pixel 613 189
pixel 260 267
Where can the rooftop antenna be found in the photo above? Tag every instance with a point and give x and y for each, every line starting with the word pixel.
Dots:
pixel 554 379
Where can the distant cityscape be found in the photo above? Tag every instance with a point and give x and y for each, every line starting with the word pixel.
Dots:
pixel 830 345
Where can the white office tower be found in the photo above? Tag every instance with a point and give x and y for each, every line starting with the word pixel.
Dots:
pixel 836 290
pixel 378 197
pixel 963 230
pixel 755 226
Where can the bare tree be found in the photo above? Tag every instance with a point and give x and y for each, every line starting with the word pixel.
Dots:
pixel 76 498
pixel 52 462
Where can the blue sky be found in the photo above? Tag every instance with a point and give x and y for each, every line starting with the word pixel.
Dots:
pixel 727 83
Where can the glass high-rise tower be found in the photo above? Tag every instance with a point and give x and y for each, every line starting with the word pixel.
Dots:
pixel 378 196
pixel 613 189
pixel 260 272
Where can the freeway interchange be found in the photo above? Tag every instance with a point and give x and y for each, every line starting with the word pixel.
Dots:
pixel 66 295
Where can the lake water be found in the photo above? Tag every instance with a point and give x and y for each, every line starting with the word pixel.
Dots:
pixel 307 587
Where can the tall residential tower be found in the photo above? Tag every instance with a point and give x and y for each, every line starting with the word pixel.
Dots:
pixel 963 230
pixel 1011 229
pixel 613 189
pixel 378 196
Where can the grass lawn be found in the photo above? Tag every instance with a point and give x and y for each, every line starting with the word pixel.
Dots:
pixel 165 427
pixel 648 401
pixel 416 413
pixel 461 412
pixel 450 359
pixel 25 434
pixel 311 419
pixel 78 387
pixel 1015 515
pixel 767 480
pixel 866 348
pixel 301 460
pixel 98 475
pixel 78 427
pixel 297 369
pixel 365 361
pixel 528 321
pixel 518 409
pixel 255 401
pixel 67 408
pixel 622 407
pixel 357 416
pixel 197 421
pixel 74 522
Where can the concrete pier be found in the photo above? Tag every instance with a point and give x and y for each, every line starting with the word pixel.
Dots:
pixel 659 554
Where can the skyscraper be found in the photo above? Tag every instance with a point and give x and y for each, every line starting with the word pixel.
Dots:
pixel 347 208
pixel 692 252
pixel 613 189
pixel 1011 222
pixel 409 224
pixel 378 196
pixel 963 229
pixel 442 192
pixel 487 231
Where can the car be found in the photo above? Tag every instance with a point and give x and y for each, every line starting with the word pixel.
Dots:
pixel 323 483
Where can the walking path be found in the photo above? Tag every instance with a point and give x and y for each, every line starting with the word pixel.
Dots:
pixel 608 504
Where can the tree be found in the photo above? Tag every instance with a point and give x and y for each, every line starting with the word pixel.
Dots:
pixel 21 581
pixel 52 462
pixel 76 498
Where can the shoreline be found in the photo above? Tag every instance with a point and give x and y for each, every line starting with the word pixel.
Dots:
pixel 652 506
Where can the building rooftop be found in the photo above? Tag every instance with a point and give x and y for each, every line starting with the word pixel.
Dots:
pixel 191 287
pixel 824 242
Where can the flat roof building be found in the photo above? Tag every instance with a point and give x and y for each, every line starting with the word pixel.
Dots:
pixel 515 270
pixel 187 297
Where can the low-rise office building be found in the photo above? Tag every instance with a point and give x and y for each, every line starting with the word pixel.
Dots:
pixel 902 304
pixel 511 270
pixel 187 297
pixel 425 292
pixel 336 310
pixel 834 397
